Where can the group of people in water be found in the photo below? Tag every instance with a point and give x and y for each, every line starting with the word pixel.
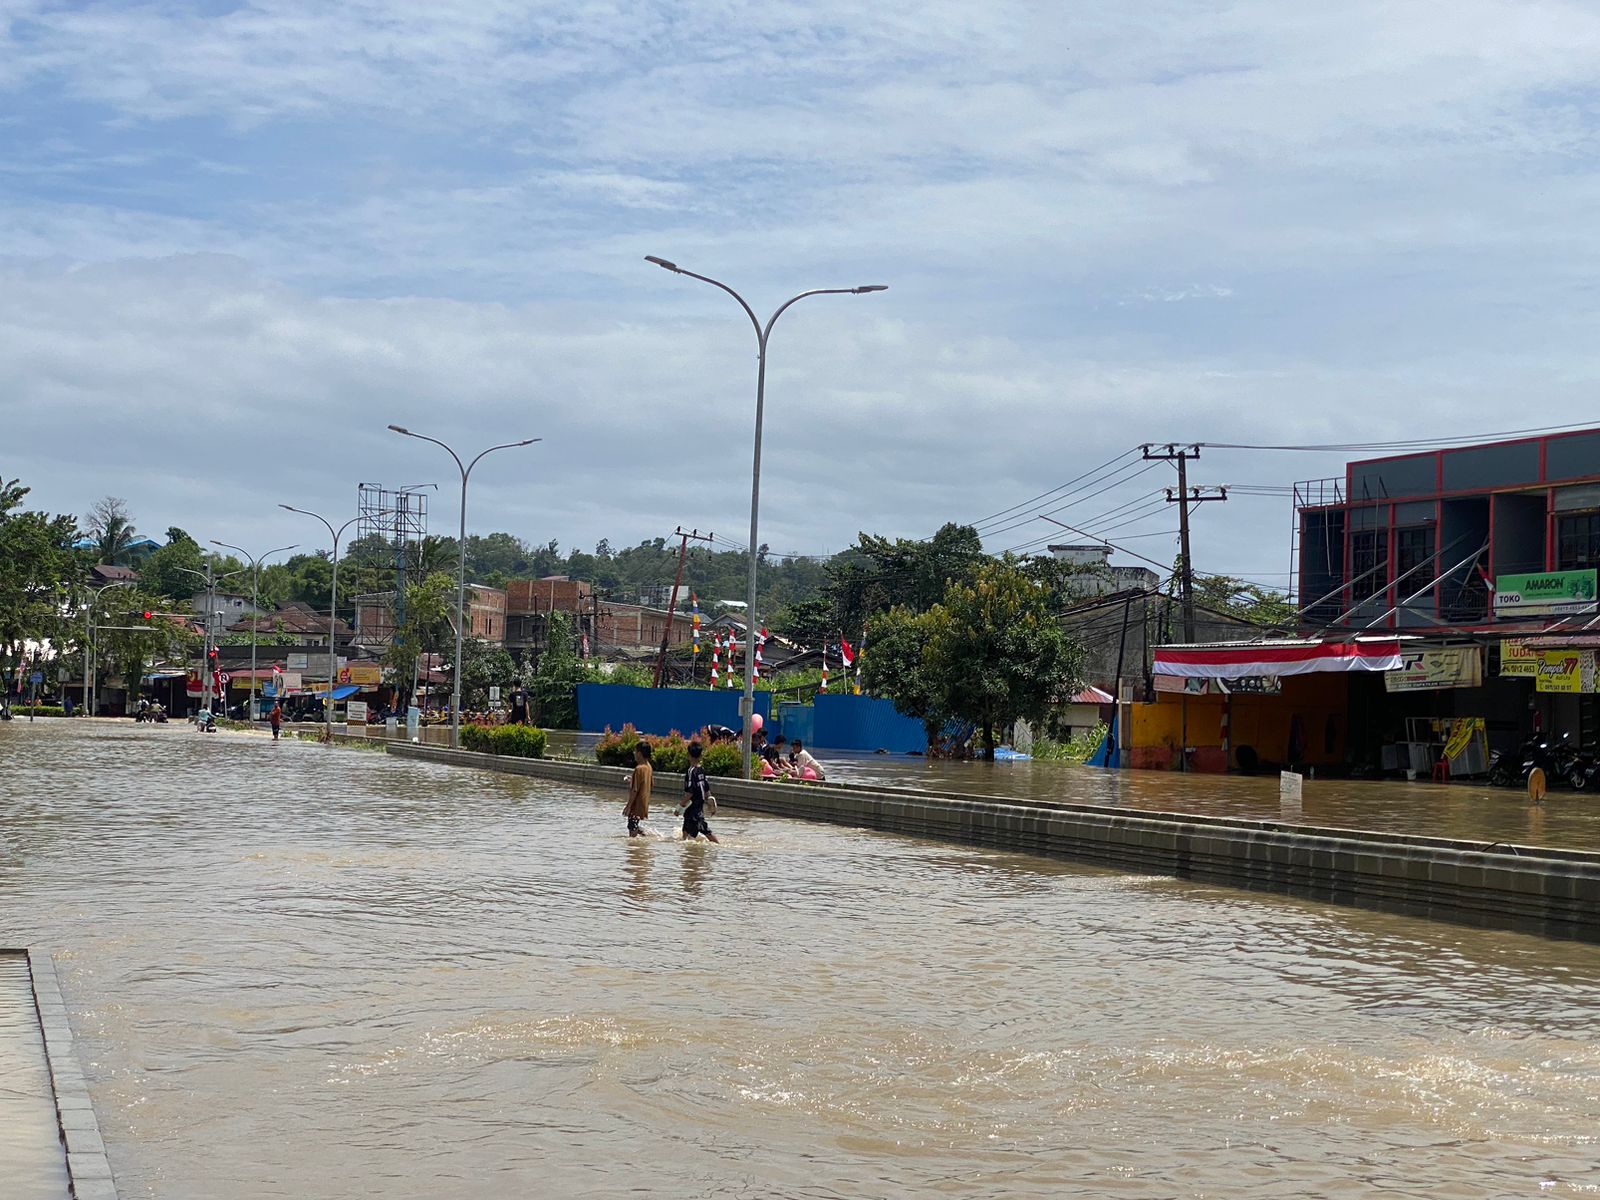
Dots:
pixel 780 759
pixel 697 797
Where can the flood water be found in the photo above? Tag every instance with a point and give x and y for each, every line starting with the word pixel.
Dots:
pixel 306 972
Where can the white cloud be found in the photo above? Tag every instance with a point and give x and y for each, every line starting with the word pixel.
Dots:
pixel 250 235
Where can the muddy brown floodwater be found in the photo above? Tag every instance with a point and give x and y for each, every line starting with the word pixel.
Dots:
pixel 302 972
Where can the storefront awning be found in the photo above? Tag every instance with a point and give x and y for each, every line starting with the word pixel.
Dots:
pixel 1562 641
pixel 1283 656
pixel 342 692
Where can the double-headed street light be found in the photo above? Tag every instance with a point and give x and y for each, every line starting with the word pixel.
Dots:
pixel 211 614
pixel 461 570
pixel 763 332
pixel 255 614
pixel 333 609
pixel 91 645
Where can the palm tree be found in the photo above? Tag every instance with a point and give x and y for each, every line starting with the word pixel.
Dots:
pixel 112 529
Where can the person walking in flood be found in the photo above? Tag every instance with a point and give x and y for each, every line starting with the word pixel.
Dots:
pixel 276 719
pixel 639 783
pixel 697 794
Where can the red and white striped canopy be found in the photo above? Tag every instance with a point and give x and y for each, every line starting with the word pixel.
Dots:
pixel 1234 660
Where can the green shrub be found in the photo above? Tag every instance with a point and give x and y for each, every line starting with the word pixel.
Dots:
pixel 517 741
pixel 722 759
pixel 38 710
pixel 512 741
pixel 1077 750
pixel 668 754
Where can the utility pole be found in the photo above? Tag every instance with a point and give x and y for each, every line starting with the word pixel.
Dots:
pixel 685 537
pixel 1183 496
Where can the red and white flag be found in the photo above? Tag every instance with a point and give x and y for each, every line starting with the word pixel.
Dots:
pixel 846 653
pixel 824 686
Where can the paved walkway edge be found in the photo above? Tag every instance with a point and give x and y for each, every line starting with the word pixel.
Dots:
pixel 87 1165
pixel 1529 889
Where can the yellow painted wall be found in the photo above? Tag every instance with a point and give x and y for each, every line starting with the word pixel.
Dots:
pixel 1320 701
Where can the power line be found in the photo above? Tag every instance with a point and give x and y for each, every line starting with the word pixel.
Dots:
pixel 1059 487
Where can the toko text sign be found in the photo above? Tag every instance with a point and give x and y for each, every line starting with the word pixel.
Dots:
pixel 1545 594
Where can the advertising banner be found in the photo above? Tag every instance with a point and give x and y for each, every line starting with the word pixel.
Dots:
pixel 1567 671
pixel 1430 670
pixel 1544 594
pixel 297 662
pixel 1517 659
pixel 361 674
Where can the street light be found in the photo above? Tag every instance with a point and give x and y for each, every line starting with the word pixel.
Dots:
pixel 461 570
pixel 333 608
pixel 255 613
pixel 763 332
pixel 211 613
pixel 91 651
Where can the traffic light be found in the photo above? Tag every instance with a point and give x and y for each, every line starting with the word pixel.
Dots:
pixel 213 654
pixel 147 615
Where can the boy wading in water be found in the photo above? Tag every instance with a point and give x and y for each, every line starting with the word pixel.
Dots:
pixel 639 790
pixel 696 791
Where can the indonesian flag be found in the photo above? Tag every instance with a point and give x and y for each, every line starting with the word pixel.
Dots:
pixel 1289 656
pixel 824 686
pixel 846 653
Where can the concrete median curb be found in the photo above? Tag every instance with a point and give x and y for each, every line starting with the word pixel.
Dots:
pixel 1554 892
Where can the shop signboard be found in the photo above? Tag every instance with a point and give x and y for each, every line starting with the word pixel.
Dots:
pixel 360 674
pixel 1547 593
pixel 290 682
pixel 1183 685
pixel 1517 659
pixel 1431 670
pixel 1253 685
pixel 1565 671
pixel 297 662
pixel 356 712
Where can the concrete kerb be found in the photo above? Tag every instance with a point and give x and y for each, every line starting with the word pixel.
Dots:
pixel 1534 889
pixel 88 1168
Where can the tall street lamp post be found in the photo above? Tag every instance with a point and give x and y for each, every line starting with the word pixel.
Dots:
pixel 255 612
pixel 211 614
pixel 333 609
pixel 461 569
pixel 91 650
pixel 763 332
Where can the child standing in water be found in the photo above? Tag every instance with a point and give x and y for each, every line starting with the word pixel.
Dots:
pixel 638 807
pixel 696 790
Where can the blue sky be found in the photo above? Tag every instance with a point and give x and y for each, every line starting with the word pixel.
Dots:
pixel 237 240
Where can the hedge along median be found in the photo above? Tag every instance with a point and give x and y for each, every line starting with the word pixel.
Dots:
pixel 1527 888
pixel 509 741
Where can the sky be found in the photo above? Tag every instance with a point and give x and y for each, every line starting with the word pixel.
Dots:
pixel 239 240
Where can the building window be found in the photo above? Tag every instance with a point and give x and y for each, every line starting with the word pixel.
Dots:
pixel 1369 562
pixel 1577 541
pixel 1413 548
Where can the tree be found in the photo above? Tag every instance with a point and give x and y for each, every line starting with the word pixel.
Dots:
pixel 485 665
pixel 1247 601
pixel 896 668
pixel 129 644
pixel 37 572
pixel 112 528
pixel 166 573
pixel 555 684
pixel 427 629
pixel 992 652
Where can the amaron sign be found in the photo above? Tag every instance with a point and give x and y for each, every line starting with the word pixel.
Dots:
pixel 1546 594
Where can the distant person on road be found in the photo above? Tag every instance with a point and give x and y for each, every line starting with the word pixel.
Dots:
pixel 276 718
pixel 697 793
pixel 519 707
pixel 803 765
pixel 639 784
